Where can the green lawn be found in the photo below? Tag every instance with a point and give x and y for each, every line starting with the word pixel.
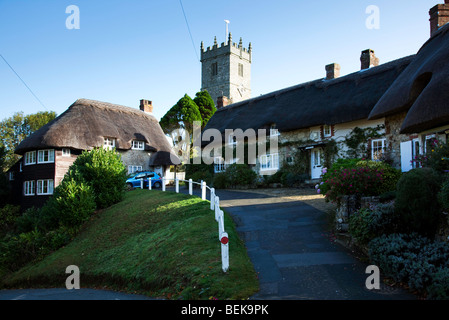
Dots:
pixel 158 243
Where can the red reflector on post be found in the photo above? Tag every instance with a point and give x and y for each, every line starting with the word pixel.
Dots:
pixel 224 240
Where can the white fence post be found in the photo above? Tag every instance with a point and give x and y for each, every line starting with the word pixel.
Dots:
pixel 149 183
pixel 217 207
pixel 212 198
pixel 163 184
pixel 220 223
pixel 177 185
pixel 190 187
pixel 224 251
pixel 203 190
pixel 141 183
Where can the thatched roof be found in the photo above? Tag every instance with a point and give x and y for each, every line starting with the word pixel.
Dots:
pixel 85 123
pixel 318 102
pixel 422 90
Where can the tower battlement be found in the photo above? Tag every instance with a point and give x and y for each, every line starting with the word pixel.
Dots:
pixel 226 70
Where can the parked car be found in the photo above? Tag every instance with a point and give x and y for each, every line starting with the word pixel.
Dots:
pixel 135 180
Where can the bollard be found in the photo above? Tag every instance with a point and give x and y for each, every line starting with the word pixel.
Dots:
pixel 163 184
pixel 224 251
pixel 190 187
pixel 203 190
pixel 212 198
pixel 177 185
pixel 149 184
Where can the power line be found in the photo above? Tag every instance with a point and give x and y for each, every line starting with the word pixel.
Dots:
pixel 23 81
pixel 187 23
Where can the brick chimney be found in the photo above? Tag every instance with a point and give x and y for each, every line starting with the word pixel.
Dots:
pixel 439 16
pixel 222 101
pixel 332 71
pixel 368 59
pixel 146 106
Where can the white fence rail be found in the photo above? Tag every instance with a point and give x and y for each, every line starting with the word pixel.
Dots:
pixel 214 206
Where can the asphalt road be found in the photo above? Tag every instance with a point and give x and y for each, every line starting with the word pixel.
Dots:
pixel 293 254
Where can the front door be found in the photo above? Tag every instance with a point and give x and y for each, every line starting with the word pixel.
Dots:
pixel 316 162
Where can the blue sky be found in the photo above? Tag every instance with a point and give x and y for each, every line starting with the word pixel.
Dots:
pixel 129 50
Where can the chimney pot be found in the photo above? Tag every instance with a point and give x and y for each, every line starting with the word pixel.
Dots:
pixel 146 106
pixel 332 71
pixel 368 59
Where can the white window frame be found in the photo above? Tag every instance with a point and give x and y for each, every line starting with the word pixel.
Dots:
pixel 132 169
pixel 29 188
pixel 109 143
pixel 44 187
pixel 21 166
pixel 219 165
pixel 11 176
pixel 49 153
pixel 327 131
pixel 269 162
pixel 30 158
pixel 375 149
pixel 138 145
pixel 66 152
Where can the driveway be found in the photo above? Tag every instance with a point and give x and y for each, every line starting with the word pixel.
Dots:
pixel 294 254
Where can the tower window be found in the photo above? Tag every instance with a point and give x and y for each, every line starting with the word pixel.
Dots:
pixel 240 69
pixel 214 68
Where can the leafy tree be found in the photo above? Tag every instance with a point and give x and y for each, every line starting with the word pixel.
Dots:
pixel 15 129
pixel 181 115
pixel 205 105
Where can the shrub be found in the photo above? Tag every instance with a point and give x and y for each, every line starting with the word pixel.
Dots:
pixel 104 171
pixel 8 216
pixel 443 196
pixel 359 226
pixel 417 201
pixel 390 175
pixel 221 180
pixel 240 175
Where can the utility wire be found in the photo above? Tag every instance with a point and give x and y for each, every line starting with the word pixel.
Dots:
pixel 190 33
pixel 23 81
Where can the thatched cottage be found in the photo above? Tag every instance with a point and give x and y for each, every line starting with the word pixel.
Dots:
pixel 86 124
pixel 416 106
pixel 310 115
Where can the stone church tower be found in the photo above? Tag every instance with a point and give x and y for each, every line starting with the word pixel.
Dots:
pixel 226 71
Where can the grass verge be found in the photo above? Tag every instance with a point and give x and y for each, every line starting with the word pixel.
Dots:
pixel 162 244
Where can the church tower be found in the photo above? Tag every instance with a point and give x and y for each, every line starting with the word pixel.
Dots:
pixel 226 70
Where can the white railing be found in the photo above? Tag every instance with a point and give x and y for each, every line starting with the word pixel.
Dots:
pixel 214 206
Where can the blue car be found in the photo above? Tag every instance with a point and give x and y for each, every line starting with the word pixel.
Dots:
pixel 135 180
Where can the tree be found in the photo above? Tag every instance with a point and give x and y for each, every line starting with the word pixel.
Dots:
pixel 15 129
pixel 205 105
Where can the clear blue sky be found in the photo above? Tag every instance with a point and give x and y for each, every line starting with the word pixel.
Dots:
pixel 129 50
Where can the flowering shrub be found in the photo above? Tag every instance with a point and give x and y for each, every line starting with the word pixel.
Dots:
pixel 436 157
pixel 364 181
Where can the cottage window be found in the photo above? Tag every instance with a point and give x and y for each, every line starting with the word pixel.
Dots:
pixel 30 158
pixel 20 166
pixel 132 169
pixel 109 143
pixel 327 131
pixel 45 187
pixel 28 188
pixel 269 162
pixel 377 149
pixel 219 165
pixel 138 145
pixel 66 152
pixel 11 175
pixel 46 156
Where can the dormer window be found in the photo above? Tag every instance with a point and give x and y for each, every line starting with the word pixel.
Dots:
pixel 138 145
pixel 109 143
